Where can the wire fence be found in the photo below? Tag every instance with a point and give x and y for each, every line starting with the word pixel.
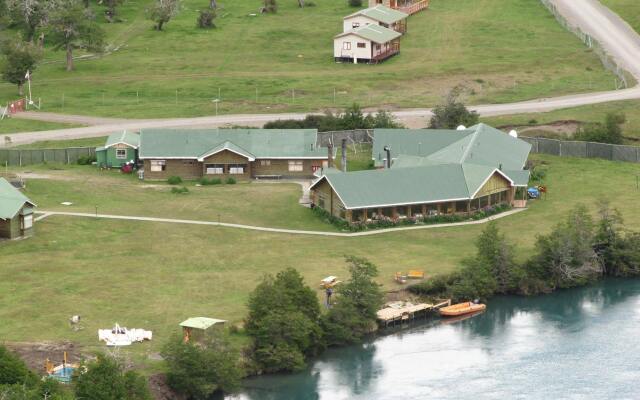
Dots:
pixel 20 157
pixel 625 79
pixel 565 148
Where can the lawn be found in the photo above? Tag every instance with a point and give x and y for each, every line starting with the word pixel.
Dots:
pixel 501 50
pixel 14 125
pixel 592 113
pixel 64 144
pixel 629 10
pixel 154 275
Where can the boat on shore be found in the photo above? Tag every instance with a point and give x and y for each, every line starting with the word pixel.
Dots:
pixel 459 309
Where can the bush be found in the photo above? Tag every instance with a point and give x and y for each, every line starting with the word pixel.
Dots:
pixel 213 181
pixel 206 18
pixel 179 190
pixel 452 113
pixel 86 160
pixel 174 180
pixel 608 132
pixel 105 379
pixel 230 181
pixel 13 370
pixel 199 370
pixel 355 3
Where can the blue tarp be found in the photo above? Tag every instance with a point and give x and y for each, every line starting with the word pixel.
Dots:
pixel 534 193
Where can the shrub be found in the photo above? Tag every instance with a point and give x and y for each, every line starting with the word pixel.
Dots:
pixel 452 113
pixel 179 190
pixel 610 131
pixel 86 160
pixel 355 3
pixel 351 118
pixel 206 18
pixel 105 379
pixel 230 181
pixel 199 370
pixel 174 180
pixel 13 370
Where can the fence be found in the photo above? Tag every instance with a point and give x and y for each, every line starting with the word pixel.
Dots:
pixel 17 157
pixel 626 79
pixel 335 137
pixel 564 148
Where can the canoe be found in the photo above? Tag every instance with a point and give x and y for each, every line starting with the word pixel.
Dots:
pixel 461 309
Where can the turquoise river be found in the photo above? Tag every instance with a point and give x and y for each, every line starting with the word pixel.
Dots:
pixel 574 344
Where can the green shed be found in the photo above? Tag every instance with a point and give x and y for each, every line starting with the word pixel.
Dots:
pixel 16 212
pixel 119 149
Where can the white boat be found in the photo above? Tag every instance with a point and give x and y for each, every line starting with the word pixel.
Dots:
pixel 121 336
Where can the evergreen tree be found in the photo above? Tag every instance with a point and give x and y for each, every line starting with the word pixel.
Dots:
pixel 20 58
pixel 452 113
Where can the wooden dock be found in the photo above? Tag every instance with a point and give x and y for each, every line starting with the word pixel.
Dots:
pixel 401 312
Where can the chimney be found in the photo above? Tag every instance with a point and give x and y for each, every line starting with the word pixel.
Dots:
pixel 330 153
pixel 387 149
pixel 343 163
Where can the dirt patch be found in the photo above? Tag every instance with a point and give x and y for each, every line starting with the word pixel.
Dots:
pixel 557 129
pixel 35 354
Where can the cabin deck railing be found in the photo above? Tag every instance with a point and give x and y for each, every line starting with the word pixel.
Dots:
pixel 415 7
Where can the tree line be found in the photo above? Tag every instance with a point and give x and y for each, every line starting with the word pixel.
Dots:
pixel 577 251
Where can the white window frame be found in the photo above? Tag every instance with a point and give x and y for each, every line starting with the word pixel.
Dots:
pixel 265 163
pixel 121 154
pixel 362 45
pixel 355 25
pixel 27 221
pixel 218 169
pixel 236 169
pixel 346 45
pixel 158 165
pixel 296 165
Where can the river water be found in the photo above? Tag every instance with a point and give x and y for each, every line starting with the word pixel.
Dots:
pixel 574 344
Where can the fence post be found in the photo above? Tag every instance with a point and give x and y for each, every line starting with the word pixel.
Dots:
pixel 20 157
pixel 560 148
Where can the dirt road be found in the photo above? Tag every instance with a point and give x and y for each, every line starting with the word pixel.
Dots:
pixel 620 40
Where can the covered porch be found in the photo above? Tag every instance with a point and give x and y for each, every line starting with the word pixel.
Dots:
pixel 410 7
pixel 381 52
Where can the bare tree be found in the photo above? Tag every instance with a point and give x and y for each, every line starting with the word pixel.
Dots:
pixel 162 12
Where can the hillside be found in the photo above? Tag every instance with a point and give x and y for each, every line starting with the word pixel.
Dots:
pixel 503 51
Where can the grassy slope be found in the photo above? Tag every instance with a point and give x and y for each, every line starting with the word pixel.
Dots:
pixel 154 275
pixel 629 10
pixel 12 125
pixel 61 144
pixel 593 113
pixel 503 51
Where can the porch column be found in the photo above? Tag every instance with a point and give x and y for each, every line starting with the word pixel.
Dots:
pixel 364 214
pixel 424 210
pixel 469 208
pixel 394 213
pixel 439 208
pixel 409 212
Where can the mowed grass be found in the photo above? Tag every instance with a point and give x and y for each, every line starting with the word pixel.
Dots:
pixel 501 50
pixel 13 125
pixel 591 113
pixel 63 144
pixel 629 10
pixel 154 275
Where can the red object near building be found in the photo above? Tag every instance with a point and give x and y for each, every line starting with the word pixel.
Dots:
pixel 16 106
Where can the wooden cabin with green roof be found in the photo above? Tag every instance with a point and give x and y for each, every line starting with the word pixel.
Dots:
pixel 16 212
pixel 378 15
pixel 119 149
pixel 238 153
pixel 424 173
pixel 366 44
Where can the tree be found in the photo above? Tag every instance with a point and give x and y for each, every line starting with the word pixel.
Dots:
pixel 496 255
pixel 73 27
pixel 20 57
pixel 162 12
pixel 610 131
pixel 357 302
pixel 283 321
pixel 206 19
pixel 13 370
pixel 618 250
pixel 105 379
pixel 28 15
pixel 198 370
pixel 111 11
pixel 355 3
pixel 453 113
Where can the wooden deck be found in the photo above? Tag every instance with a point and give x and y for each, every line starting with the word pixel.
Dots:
pixel 400 312
pixel 392 51
pixel 415 7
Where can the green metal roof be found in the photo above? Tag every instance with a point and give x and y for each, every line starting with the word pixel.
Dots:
pixel 479 144
pixel 374 33
pixel 230 147
pixel 261 143
pixel 128 138
pixel 381 13
pixel 201 322
pixel 11 200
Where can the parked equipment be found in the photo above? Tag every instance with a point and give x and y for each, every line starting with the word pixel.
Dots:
pixel 462 309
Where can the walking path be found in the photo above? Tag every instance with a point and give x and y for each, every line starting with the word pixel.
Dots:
pixel 46 214
pixel 613 33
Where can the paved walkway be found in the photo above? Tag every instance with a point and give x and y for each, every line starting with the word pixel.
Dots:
pixel 275 230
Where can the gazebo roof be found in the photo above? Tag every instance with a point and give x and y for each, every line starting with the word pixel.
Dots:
pixel 201 322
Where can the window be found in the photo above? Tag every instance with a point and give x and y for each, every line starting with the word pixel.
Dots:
pixel 321 200
pixel 355 25
pixel 27 221
pixel 362 45
pixel 236 169
pixel 265 163
pixel 346 45
pixel 187 163
pixel 121 154
pixel 296 166
pixel 158 165
pixel 214 169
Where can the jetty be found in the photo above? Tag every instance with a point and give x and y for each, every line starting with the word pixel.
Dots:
pixel 399 312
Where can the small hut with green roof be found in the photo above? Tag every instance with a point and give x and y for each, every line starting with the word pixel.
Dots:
pixel 119 149
pixel 194 329
pixel 16 212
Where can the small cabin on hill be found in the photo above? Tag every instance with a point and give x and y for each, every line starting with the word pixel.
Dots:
pixel 369 44
pixel 406 6
pixel 119 149
pixel 16 212
pixel 378 15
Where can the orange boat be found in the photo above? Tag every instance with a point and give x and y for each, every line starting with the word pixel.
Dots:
pixel 459 309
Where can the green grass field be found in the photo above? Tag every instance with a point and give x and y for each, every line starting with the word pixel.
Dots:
pixel 502 50
pixel 629 10
pixel 62 144
pixel 154 275
pixel 13 125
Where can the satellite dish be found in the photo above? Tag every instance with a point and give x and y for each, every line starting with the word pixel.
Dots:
pixel 461 128
pixel 513 133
